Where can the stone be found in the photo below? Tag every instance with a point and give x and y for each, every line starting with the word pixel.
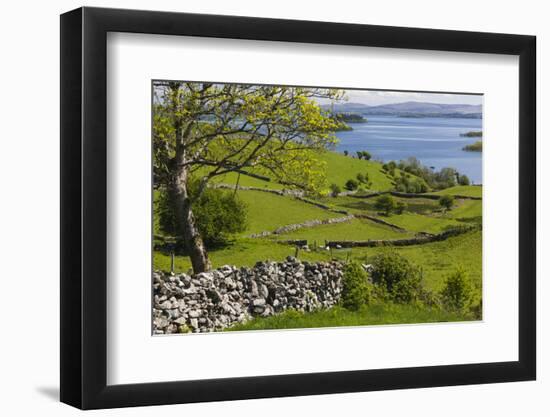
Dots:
pixel 258 302
pixel 218 299
pixel 194 314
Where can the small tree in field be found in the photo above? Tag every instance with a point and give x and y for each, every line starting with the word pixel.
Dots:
pixel 335 190
pixel 446 201
pixel 219 215
pixel 457 292
pixel 400 207
pixel 463 180
pixel 385 203
pixel 351 185
pixel 399 279
pixel 356 290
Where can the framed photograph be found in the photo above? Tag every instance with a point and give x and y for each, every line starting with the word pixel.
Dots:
pixel 258 208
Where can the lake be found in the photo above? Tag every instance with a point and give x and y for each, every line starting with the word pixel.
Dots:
pixel 436 142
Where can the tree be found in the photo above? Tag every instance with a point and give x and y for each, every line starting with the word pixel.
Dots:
pixel 363 155
pixel 351 185
pixel 457 291
pixel 356 291
pixel 400 207
pixel 335 190
pixel 464 180
pixel 361 178
pixel 446 201
pixel 219 214
pixel 385 203
pixel 205 130
pixel 400 279
pixel 346 153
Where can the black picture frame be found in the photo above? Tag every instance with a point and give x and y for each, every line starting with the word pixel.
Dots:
pixel 84 207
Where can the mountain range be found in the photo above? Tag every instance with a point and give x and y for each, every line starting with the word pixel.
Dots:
pixel 410 109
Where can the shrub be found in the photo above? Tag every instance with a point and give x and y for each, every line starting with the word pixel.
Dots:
pixel 463 180
pixel 457 291
pixel 218 215
pixel 351 185
pixel 399 279
pixel 357 290
pixel 335 190
pixel 361 178
pixel 385 203
pixel 446 201
pixel 400 207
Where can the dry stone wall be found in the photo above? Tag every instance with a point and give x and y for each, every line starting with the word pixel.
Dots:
pixel 215 300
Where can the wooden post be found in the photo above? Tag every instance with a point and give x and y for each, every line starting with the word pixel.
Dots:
pixel 172 262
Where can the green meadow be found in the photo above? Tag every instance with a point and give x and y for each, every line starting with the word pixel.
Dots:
pixel 268 211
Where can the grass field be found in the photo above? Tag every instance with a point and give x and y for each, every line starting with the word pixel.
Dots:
pixel 356 229
pixel 232 178
pixel 268 211
pixel 242 252
pixel 439 259
pixel 420 223
pixel 337 316
pixel 466 210
pixel 340 168
pixel 466 190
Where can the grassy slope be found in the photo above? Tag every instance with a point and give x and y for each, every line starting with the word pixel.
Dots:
pixel 247 181
pixel 243 252
pixel 466 209
pixel 341 168
pixel 369 315
pixel 356 229
pixel 420 223
pixel 268 211
pixel 466 190
pixel 438 259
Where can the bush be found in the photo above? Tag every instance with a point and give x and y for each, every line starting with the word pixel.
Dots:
pixel 463 180
pixel 457 291
pixel 335 190
pixel 361 178
pixel 399 279
pixel 351 185
pixel 385 203
pixel 446 201
pixel 218 214
pixel 400 207
pixel 357 290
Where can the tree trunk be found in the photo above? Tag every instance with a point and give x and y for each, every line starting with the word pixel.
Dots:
pixel 185 220
pixel 187 226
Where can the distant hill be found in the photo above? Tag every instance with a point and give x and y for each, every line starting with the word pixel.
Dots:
pixel 411 109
